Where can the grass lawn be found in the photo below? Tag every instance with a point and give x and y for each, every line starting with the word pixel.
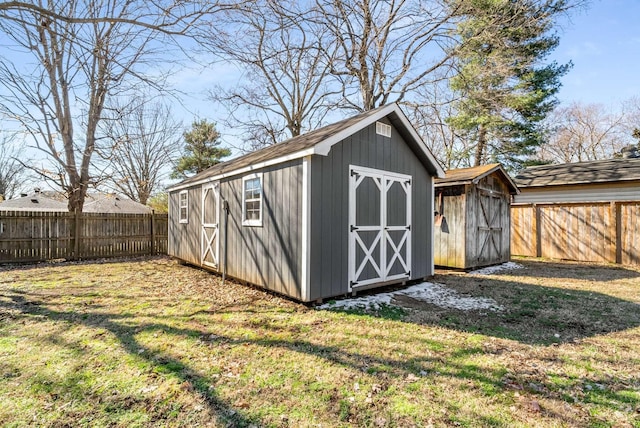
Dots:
pixel 153 343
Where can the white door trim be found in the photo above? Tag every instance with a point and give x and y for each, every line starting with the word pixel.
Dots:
pixel 210 235
pixel 384 180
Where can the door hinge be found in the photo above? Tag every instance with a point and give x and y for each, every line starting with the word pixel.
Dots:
pixel 353 228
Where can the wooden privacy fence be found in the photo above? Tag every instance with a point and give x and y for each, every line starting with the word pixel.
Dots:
pixel 27 236
pixel 590 232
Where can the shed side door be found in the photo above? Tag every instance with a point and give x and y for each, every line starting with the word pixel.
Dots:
pixel 490 226
pixel 210 236
pixel 379 226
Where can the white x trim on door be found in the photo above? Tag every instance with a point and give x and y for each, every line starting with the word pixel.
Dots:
pixel 210 244
pixel 389 246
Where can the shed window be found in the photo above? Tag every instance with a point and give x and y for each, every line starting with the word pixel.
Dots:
pixel 184 206
pixel 252 200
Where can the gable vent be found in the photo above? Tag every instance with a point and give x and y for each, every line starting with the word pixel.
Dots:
pixel 383 129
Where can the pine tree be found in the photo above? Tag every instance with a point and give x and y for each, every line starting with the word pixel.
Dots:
pixel 505 90
pixel 202 149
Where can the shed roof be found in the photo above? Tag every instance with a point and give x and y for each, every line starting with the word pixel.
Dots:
pixel 473 175
pixel 318 141
pixel 602 171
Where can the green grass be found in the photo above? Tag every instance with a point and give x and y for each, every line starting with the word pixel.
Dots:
pixel 152 343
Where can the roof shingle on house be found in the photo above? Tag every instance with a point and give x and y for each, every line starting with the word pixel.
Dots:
pixel 601 171
pixel 298 146
pixel 95 202
pixel 36 201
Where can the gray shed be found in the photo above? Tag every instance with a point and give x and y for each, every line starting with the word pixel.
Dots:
pixel 473 217
pixel 337 210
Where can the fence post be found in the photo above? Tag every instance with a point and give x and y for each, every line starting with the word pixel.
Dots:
pixel 616 212
pixel 77 231
pixel 538 229
pixel 153 233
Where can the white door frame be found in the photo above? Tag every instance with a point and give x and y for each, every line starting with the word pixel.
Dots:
pixel 210 235
pixel 383 180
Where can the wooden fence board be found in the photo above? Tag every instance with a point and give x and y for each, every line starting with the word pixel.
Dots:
pixel 38 236
pixel 593 232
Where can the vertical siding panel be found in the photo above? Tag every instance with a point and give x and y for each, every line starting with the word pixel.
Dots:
pixel 339 184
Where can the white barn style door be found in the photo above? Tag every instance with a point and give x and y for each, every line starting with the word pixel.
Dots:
pixel 210 238
pixel 379 226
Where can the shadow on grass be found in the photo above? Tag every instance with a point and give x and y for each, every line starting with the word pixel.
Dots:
pixel 124 331
pixel 531 314
pixel 450 364
pixel 539 268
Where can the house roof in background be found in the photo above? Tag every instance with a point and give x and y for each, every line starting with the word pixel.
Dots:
pixel 96 202
pixel 474 175
pixel 36 201
pixel 601 171
pixel 318 141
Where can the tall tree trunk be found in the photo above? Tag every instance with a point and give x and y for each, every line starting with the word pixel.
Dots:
pixel 481 147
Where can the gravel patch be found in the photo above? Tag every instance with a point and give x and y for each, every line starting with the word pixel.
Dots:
pixel 491 270
pixel 436 294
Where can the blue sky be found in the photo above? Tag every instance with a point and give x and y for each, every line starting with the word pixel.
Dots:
pixel 603 42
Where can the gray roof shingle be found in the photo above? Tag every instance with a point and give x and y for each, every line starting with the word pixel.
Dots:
pixel 298 144
pixel 601 171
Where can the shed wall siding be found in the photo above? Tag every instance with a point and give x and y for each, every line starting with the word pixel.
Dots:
pixel 450 236
pixel 184 238
pixel 579 193
pixel 267 255
pixel 330 206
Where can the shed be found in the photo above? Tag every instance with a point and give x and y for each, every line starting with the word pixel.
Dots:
pixel 473 217
pixel 332 212
pixel 583 211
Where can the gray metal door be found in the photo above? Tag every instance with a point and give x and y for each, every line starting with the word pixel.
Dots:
pixel 379 226
pixel 210 238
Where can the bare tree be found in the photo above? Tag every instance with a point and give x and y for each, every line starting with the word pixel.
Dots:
pixel 66 61
pixel 283 54
pixel 387 49
pixel 428 111
pixel 12 173
pixel 583 132
pixel 143 142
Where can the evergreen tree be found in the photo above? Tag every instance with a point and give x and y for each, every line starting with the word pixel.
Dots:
pixel 202 149
pixel 504 88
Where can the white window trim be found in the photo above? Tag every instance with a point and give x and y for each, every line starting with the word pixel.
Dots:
pixel 258 221
pixel 186 206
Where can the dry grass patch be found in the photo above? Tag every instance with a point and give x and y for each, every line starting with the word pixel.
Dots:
pixel 153 343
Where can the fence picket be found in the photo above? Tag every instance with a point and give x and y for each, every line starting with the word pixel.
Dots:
pixel 30 236
pixel 593 232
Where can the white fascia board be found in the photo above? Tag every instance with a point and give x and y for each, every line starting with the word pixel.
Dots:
pixel 324 147
pixel 250 168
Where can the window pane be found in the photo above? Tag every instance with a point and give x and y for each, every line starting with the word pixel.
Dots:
pixel 252 199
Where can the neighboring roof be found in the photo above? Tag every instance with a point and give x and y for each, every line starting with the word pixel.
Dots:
pixel 34 202
pixel 603 171
pixel 104 203
pixel 473 175
pixel 318 141
pixel 110 203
